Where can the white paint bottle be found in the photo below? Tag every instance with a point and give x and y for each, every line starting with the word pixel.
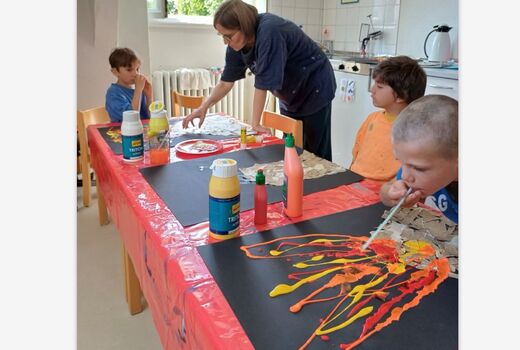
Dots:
pixel 132 136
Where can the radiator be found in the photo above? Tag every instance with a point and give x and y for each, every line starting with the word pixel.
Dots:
pixel 165 80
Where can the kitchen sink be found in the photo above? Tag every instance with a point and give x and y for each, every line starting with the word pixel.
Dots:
pixel 357 57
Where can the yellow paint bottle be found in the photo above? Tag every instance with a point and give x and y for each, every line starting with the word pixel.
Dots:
pixel 158 118
pixel 224 199
pixel 243 137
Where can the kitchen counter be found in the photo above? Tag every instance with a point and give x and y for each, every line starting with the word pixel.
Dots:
pixel 446 73
pixel 355 63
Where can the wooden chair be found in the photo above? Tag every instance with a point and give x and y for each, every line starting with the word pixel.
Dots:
pixel 185 101
pixel 285 124
pixel 85 118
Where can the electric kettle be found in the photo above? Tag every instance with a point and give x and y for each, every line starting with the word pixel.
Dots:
pixel 441 47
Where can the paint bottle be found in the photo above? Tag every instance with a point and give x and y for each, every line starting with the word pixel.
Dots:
pixel 243 137
pixel 292 189
pixel 132 136
pixel 224 199
pixel 158 118
pixel 260 198
pixel 158 134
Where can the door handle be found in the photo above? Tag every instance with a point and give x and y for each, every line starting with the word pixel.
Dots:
pixel 440 86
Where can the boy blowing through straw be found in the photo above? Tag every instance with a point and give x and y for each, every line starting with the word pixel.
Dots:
pixel 425 140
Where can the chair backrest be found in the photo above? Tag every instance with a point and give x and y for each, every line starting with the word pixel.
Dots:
pixel 97 115
pixel 185 101
pixel 85 118
pixel 285 124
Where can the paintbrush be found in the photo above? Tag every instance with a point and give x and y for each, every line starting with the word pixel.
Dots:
pixel 392 212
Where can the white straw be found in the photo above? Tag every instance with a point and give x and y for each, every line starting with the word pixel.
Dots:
pixel 392 212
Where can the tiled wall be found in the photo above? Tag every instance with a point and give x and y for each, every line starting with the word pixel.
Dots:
pixel 331 20
pixel 306 13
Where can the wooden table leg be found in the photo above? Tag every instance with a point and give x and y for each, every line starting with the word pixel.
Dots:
pixel 133 291
pixel 102 207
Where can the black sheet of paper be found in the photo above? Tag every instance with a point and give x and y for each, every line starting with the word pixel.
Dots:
pixel 246 283
pixel 183 186
pixel 117 148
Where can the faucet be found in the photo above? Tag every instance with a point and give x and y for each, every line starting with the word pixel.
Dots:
pixel 370 35
pixel 365 41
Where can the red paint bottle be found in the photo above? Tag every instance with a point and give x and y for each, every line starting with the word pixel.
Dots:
pixel 260 199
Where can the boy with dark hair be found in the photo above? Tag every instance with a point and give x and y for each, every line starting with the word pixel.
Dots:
pixel 132 90
pixel 425 139
pixel 397 82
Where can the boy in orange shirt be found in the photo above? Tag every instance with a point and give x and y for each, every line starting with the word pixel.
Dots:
pixel 397 82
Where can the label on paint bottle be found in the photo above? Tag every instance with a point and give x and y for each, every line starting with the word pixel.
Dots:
pixel 133 148
pixel 224 215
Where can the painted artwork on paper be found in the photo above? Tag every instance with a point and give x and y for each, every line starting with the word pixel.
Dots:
pixel 417 223
pixel 115 134
pixel 372 287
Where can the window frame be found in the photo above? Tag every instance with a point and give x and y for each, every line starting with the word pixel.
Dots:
pixel 159 10
pixel 159 17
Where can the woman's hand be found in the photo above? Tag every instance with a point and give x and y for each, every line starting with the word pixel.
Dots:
pixel 392 192
pixel 260 129
pixel 198 113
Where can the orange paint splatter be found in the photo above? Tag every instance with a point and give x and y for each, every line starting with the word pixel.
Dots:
pixel 371 285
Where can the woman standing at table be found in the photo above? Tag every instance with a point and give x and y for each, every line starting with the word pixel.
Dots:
pixel 284 61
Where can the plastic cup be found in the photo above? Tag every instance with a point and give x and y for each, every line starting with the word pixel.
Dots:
pixel 159 148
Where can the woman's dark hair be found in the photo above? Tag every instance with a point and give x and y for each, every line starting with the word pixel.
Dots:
pixel 237 15
pixel 403 75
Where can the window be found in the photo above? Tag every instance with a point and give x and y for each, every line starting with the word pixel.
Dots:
pixel 191 11
pixel 155 8
pixel 192 7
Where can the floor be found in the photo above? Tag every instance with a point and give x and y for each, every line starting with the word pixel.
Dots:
pixel 103 320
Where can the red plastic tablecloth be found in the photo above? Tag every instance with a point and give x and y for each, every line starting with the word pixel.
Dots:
pixel 188 309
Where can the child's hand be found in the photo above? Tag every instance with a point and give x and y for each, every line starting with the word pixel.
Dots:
pixel 140 81
pixel 147 87
pixel 392 193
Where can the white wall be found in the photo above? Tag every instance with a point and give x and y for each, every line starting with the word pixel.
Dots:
pixel 102 26
pixel 190 46
pixel 132 30
pixel 417 19
pixel 343 22
pixel 331 20
pixel 307 14
pixel 97 35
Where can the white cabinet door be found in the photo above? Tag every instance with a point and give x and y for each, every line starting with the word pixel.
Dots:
pixel 347 117
pixel 442 86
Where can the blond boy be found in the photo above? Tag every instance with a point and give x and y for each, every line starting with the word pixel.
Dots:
pixel 425 141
